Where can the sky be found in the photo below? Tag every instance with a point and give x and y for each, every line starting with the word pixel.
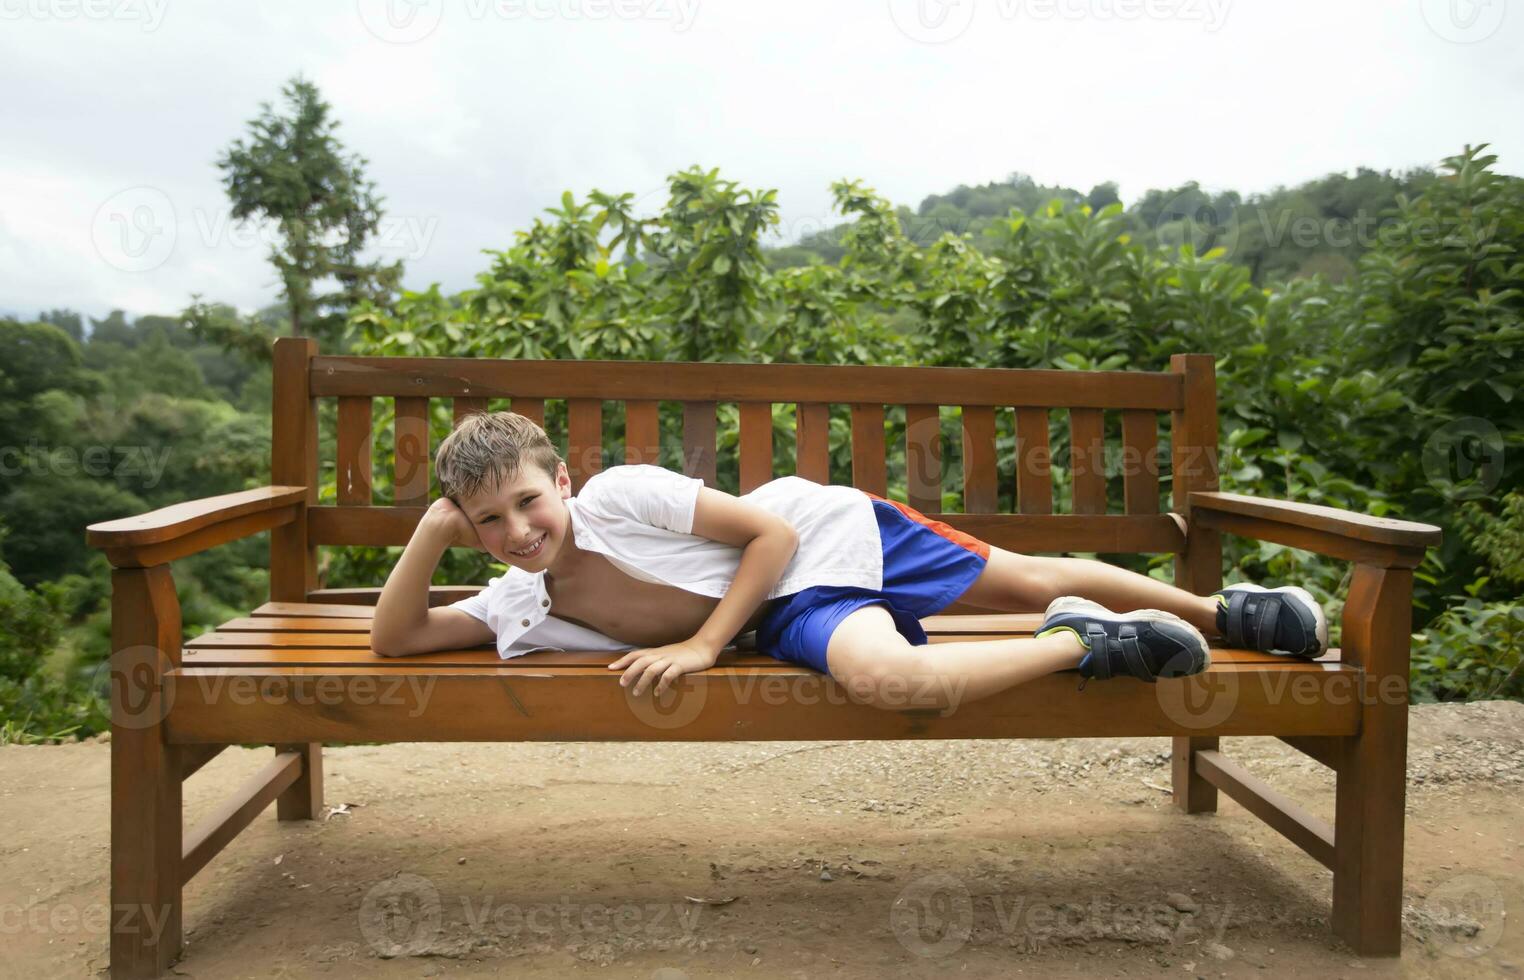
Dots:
pixel 475 115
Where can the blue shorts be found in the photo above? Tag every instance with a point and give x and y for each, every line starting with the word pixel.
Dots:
pixel 927 566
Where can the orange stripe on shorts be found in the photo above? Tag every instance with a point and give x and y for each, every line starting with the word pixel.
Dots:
pixel 947 531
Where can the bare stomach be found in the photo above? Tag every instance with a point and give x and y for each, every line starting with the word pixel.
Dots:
pixel 606 600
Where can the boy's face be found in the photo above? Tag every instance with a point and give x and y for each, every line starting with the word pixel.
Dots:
pixel 528 511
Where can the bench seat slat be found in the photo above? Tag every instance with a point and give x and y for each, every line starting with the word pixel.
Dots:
pixel 429 703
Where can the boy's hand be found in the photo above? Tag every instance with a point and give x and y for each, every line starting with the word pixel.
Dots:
pixel 663 665
pixel 451 524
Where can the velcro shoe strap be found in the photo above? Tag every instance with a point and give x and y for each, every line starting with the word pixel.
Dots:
pixel 1269 613
pixel 1132 652
pixel 1235 619
pixel 1100 650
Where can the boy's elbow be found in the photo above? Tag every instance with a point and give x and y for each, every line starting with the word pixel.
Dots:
pixel 386 646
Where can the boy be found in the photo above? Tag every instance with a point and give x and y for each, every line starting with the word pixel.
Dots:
pixel 667 571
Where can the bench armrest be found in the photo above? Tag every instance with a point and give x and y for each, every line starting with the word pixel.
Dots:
pixel 1330 531
pixel 179 530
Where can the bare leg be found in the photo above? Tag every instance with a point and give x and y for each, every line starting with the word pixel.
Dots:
pixel 1027 583
pixel 878 665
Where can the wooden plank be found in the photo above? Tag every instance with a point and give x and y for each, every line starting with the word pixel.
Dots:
pixel 812 435
pixel 869 466
pixel 1370 795
pixel 468 406
pixel 532 409
pixel 411 436
pixel 146 771
pixel 1331 521
pixel 293 463
pixel 1034 462
pixel 1112 533
pixel 1087 459
pixel 235 813
pixel 443 377
pixel 194 757
pixel 1210 520
pixel 587 704
pixel 699 434
pixel 980 484
pixel 303 798
pixel 756 437
pixel 642 432
pixel 353 466
pixel 1327 751
pixel 1276 809
pixel 205 536
pixel 584 425
pixel 1140 461
pixel 439 595
pixel 923 457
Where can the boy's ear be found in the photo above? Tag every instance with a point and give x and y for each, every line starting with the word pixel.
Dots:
pixel 563 480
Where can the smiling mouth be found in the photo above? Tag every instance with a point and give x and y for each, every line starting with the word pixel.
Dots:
pixel 531 551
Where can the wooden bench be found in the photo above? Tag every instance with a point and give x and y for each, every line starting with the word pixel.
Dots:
pixel 297 672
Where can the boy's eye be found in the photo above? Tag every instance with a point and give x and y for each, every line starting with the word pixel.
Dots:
pixel 487 520
pixel 526 500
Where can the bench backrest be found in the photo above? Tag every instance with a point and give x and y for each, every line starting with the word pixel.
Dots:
pixel 1135 522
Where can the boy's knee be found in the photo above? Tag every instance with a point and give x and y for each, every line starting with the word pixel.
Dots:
pixel 895 681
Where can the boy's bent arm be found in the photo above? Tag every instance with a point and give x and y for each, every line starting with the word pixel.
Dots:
pixel 404 623
pixel 768 543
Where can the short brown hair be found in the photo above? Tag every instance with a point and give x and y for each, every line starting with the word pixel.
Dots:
pixel 487 448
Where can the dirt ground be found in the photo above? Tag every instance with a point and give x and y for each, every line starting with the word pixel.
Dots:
pixel 861 859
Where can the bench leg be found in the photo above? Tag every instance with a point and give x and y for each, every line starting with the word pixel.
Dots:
pixel 1192 793
pixel 1372 781
pixel 146 826
pixel 303 800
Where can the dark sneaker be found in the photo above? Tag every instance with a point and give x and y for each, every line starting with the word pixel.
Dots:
pixel 1145 643
pixel 1286 621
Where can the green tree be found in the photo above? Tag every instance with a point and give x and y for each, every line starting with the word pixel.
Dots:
pixel 293 170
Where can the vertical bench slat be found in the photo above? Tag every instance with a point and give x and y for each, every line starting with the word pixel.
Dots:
pixel 411 437
pixel 812 451
pixel 1087 456
pixel 1140 461
pixel 699 431
pixel 468 406
pixel 532 409
pixel 869 470
pixel 980 484
pixel 354 448
pixel 642 432
pixel 923 458
pixel 756 445
pixel 1034 474
pixel 584 438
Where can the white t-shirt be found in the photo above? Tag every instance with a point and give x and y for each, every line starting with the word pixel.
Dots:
pixel 641 519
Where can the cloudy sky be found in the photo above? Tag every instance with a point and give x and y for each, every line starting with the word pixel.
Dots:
pixel 477 114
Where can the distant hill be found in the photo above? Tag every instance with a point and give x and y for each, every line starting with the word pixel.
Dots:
pixel 1318 227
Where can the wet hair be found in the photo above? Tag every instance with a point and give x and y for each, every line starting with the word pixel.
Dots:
pixel 488 448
